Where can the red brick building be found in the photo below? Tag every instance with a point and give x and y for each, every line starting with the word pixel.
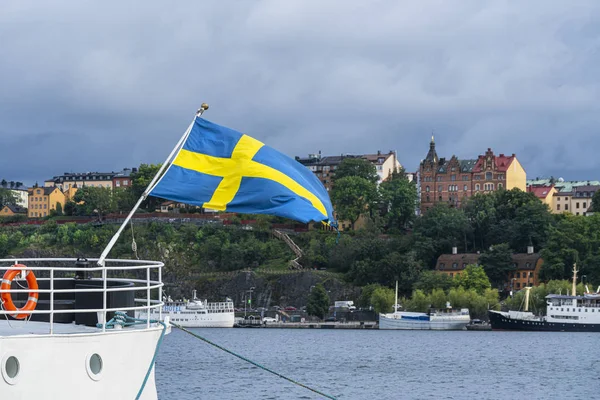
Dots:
pixel 453 181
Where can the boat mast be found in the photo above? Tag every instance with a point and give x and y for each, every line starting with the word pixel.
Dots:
pixel 101 260
pixel 527 289
pixel 396 303
pixel 575 279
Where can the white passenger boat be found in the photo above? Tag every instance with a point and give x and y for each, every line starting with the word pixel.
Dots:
pixel 196 313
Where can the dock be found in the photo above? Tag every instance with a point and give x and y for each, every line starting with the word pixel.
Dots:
pixel 307 325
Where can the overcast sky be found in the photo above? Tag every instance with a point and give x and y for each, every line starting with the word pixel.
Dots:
pixel 98 86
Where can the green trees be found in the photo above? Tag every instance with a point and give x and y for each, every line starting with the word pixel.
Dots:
pixel 596 202
pixel 383 300
pixel 351 197
pixel 318 302
pixel 497 263
pixel 398 199
pixel 7 197
pixel 473 277
pixel 96 200
pixel 356 167
pixel 140 181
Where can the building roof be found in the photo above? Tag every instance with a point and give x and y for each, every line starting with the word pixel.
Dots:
pixel 446 262
pixel 501 161
pixel 317 159
pixel 16 209
pixel 541 192
pixel 560 184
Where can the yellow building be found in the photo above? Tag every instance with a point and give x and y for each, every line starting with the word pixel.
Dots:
pixel 544 193
pixel 43 200
pixel 527 267
pixel 93 179
pixel 70 193
pixel 8 211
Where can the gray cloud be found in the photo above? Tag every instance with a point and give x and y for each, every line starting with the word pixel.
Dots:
pixel 101 86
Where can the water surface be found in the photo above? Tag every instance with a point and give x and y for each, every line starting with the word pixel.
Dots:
pixel 365 364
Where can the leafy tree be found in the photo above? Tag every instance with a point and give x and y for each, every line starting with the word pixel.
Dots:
pixel 398 199
pixel 123 199
pixel 497 263
pixel 95 200
pixel 366 294
pixel 318 302
pixel 352 196
pixel 480 210
pixel 70 208
pixel 430 280
pixel 443 227
pixel 59 209
pixel 357 167
pixel 473 277
pixel 383 300
pixel 140 181
pixel 7 198
pixel 596 202
pixel 419 302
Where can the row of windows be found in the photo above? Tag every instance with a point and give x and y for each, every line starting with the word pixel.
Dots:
pixel 39 206
pixel 38 198
pixel 454 188
pixel 36 214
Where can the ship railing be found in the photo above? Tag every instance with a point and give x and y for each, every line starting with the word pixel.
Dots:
pixel 149 284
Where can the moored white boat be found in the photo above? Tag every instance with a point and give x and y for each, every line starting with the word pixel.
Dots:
pixel 435 320
pixel 442 320
pixel 195 313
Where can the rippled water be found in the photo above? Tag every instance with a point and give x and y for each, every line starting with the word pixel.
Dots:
pixel 365 364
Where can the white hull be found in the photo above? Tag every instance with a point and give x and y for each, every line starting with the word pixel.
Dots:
pixel 196 320
pixel 394 321
pixel 55 367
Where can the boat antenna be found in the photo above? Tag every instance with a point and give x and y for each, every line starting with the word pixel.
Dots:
pixel 167 163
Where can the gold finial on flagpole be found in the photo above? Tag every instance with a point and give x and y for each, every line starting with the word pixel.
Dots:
pixel 201 110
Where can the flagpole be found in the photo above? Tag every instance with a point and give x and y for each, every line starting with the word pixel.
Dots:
pixel 101 260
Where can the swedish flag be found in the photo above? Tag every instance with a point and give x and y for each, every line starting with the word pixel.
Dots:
pixel 222 169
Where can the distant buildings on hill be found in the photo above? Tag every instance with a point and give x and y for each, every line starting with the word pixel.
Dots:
pixel 324 166
pixel 453 181
pixel 574 197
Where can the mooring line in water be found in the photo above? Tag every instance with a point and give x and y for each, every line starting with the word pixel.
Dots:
pixel 252 362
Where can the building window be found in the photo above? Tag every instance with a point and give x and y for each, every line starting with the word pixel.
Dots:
pixel 442 265
pixel 465 177
pixel 428 198
pixel 518 285
pixel 488 176
pixel 584 204
pixel 477 187
pixel 518 274
pixel 118 183
pixel 453 177
pixel 465 188
pixel 499 186
pixel 427 189
pixel 577 205
pixel 440 188
pixel 440 198
pixel 125 182
pixel 566 207
pixel 439 178
pixel 455 265
pixel 558 207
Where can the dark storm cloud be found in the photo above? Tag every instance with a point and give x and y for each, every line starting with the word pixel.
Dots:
pixel 101 86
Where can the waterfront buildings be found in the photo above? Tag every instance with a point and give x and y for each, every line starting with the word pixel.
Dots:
pixel 453 181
